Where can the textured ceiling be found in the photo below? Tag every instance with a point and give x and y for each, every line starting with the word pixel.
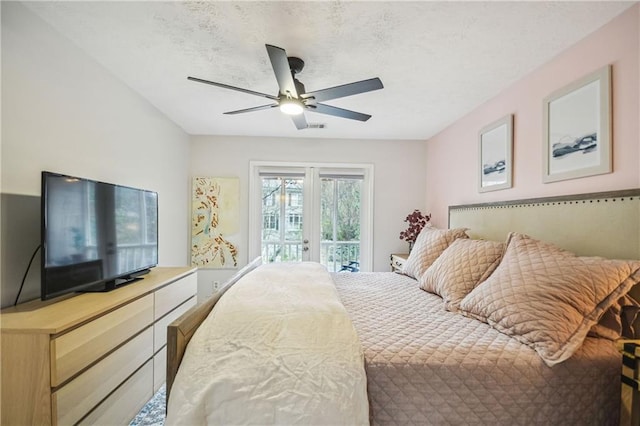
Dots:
pixel 437 60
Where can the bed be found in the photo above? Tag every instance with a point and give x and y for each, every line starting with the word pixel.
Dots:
pixel 425 364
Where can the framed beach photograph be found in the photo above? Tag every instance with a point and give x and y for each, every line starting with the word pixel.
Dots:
pixel 496 155
pixel 577 129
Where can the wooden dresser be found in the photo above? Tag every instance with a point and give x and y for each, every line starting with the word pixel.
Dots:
pixel 92 358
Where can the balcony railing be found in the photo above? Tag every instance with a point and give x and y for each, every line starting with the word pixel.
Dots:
pixel 333 254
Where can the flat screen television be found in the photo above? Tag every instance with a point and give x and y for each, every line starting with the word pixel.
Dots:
pixel 95 235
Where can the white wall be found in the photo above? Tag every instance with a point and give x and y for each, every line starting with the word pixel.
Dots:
pixel 398 179
pixel 63 112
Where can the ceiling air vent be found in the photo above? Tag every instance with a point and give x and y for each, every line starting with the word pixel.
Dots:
pixel 316 126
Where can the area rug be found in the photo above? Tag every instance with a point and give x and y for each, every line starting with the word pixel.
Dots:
pixel 153 413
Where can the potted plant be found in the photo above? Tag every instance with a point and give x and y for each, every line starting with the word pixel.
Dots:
pixel 417 221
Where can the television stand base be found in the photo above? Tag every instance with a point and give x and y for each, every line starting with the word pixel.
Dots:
pixel 114 284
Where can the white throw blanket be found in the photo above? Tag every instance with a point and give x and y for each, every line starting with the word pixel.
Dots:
pixel 278 348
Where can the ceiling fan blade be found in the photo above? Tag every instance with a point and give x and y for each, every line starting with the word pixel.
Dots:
pixel 345 90
pixel 258 108
pixel 280 65
pixel 226 86
pixel 300 121
pixel 338 112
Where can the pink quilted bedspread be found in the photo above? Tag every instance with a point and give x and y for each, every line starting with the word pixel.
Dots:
pixel 426 366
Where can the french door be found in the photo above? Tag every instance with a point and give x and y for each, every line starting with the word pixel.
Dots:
pixel 317 212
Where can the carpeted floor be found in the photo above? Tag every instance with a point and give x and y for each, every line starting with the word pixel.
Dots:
pixel 152 414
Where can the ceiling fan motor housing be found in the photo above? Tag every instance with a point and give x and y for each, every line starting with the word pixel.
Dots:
pixel 295 64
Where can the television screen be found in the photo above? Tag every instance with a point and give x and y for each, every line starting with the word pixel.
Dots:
pixel 95 235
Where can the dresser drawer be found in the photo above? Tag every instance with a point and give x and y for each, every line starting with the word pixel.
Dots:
pixel 123 404
pixel 169 297
pixel 160 327
pixel 74 351
pixel 80 395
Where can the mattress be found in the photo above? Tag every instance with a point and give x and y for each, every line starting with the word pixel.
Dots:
pixel 428 366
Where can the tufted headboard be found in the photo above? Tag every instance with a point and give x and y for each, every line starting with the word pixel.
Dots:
pixel 603 224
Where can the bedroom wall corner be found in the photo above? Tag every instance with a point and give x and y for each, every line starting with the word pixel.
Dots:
pixel 452 155
pixel 64 112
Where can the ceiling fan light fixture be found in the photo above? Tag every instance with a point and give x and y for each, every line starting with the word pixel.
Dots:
pixel 291 106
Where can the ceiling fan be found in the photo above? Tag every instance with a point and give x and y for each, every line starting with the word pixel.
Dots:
pixel 292 98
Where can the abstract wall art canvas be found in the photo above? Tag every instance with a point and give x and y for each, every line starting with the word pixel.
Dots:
pixel 215 221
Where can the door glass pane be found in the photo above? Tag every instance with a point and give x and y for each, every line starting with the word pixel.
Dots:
pixel 340 227
pixel 282 219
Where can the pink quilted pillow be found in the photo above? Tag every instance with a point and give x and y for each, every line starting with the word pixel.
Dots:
pixel 610 326
pixel 428 246
pixel 460 268
pixel 549 298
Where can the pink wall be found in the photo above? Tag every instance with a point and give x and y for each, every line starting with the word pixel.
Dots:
pixel 452 155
